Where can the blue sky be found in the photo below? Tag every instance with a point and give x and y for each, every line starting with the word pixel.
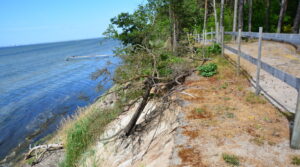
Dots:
pixel 38 21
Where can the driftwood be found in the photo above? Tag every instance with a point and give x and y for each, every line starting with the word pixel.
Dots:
pixel 42 150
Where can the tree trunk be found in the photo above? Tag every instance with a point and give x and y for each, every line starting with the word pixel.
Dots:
pixel 297 20
pixel 234 17
pixel 267 16
pixel 173 27
pixel 205 15
pixel 241 17
pixel 250 16
pixel 222 13
pixel 216 19
pixel 130 126
pixel 281 15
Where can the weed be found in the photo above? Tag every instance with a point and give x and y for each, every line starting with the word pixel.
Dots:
pixel 231 159
pixel 258 141
pixel 200 110
pixel 254 99
pixel 240 88
pixel 229 115
pixel 225 85
pixel 258 126
pixel 296 161
pixel 226 98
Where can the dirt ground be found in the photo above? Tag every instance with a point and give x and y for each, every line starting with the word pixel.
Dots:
pixel 280 55
pixel 222 116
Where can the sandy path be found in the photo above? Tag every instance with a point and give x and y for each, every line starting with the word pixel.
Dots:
pixel 279 55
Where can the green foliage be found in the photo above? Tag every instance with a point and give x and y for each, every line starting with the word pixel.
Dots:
pixel 31 161
pixel 231 159
pixel 208 70
pixel 214 49
pixel 296 161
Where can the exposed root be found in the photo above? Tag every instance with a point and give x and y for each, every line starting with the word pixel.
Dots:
pixel 41 150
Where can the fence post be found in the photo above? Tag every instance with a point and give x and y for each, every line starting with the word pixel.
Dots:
pixel 239 52
pixel 211 34
pixel 258 61
pixel 295 143
pixel 203 39
pixel 222 39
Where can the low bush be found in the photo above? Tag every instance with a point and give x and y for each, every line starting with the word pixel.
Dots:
pixel 208 70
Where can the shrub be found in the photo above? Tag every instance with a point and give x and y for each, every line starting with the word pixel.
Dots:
pixel 214 49
pixel 231 159
pixel 208 70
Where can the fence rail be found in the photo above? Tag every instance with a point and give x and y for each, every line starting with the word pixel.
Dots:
pixel 283 76
pixel 289 38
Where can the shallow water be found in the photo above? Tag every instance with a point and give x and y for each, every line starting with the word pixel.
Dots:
pixel 38 87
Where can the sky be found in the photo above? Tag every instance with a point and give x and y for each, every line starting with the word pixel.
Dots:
pixel 40 21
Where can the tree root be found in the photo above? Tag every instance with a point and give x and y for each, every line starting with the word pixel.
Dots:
pixel 41 150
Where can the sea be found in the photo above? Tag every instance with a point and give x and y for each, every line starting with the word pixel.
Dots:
pixel 42 84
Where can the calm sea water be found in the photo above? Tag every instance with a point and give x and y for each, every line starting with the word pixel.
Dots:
pixel 38 87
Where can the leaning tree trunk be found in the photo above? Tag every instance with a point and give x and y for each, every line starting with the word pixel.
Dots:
pixel 250 16
pixel 131 125
pixel 297 20
pixel 281 15
pixel 241 16
pixel 267 16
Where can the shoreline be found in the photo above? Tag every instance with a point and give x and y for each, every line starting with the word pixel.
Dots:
pixel 16 155
pixel 59 136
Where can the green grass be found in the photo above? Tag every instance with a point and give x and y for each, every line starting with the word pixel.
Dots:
pixel 231 159
pixel 296 161
pixel 84 133
pixel 200 110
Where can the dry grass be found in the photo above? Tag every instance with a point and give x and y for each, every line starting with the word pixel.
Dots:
pixel 190 157
pixel 223 108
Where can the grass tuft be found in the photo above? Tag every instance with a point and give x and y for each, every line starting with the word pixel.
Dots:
pixel 231 159
pixel 85 131
pixel 296 161
pixel 254 99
